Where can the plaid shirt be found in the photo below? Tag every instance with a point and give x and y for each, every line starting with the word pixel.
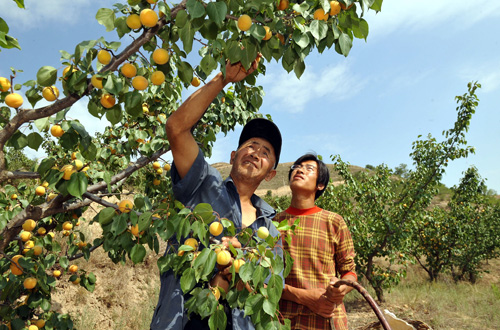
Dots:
pixel 321 249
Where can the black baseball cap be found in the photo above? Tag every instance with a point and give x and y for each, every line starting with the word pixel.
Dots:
pixel 265 129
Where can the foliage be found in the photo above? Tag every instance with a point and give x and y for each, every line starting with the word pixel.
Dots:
pixel 279 203
pixel 382 214
pixel 448 238
pixel 401 170
pixel 80 169
pixel 7 41
pixel 17 160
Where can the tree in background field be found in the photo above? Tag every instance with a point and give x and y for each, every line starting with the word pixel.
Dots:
pixel 136 86
pixel 383 213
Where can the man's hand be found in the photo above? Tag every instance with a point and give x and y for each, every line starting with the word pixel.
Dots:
pixel 318 303
pixel 236 72
pixel 334 294
pixel 220 281
pixel 233 240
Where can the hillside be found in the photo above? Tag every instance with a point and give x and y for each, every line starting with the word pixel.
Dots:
pixel 279 184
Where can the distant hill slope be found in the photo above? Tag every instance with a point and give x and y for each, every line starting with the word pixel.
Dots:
pixel 279 184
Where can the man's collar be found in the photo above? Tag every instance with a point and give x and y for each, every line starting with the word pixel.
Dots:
pixel 263 208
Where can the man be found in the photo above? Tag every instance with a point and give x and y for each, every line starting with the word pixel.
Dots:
pixel 322 249
pixel 194 182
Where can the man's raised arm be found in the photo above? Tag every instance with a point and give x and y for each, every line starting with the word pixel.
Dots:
pixel 179 124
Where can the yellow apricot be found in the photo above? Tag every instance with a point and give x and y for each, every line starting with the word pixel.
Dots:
pixel 148 17
pixel 161 56
pixel 157 78
pixel 96 81
pixel 140 83
pixel 4 84
pixel 133 22
pixel 244 22
pixel 50 93
pixel 104 57
pixel 128 70
pixel 14 100
pixel 56 131
pixel 108 101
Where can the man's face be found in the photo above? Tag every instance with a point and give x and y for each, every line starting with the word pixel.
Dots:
pixel 304 178
pixel 254 159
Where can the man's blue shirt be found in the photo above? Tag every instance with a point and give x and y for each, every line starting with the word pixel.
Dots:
pixel 204 184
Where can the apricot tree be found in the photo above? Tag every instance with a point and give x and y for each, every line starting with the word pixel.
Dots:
pixel 136 84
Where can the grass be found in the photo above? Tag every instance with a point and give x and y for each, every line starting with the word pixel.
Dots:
pixel 442 305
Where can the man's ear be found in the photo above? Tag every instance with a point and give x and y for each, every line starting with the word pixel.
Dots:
pixel 233 153
pixel 270 175
pixel 320 186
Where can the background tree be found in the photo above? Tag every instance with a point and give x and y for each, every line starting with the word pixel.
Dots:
pixel 382 213
pixel 136 87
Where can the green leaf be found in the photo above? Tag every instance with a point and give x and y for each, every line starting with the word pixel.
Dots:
pixel 106 17
pixel 90 152
pixel 69 140
pixel 275 288
pixel 377 5
pixel 345 43
pixel 106 215
pixel 20 3
pixel 218 320
pixel 361 31
pixel 45 305
pixel 246 271
pixel 137 253
pixel 119 224
pixel 257 31
pixel 205 263
pixel 113 85
pixel 114 115
pixel 187 36
pixel 195 8
pixel 185 72
pixel 42 124
pixel 133 103
pixel 208 64
pixel 209 30
pixel 268 307
pixel 301 39
pixel 188 280
pixel 45 165
pixel 77 185
pixel 34 140
pixel 253 304
pixel 144 220
pixel 299 67
pixel 121 26
pixel 181 18
pixel 249 53
pixel 46 76
pixel 3 26
pixel 63 262
pixel 18 140
pixel 233 51
pixel 217 12
pixel 318 29
pixel 205 211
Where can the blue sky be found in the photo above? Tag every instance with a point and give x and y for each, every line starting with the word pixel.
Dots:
pixel 368 107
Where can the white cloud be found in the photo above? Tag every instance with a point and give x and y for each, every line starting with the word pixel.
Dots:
pixel 284 92
pixel 327 144
pixel 56 11
pixel 92 124
pixel 413 15
pixel 488 75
